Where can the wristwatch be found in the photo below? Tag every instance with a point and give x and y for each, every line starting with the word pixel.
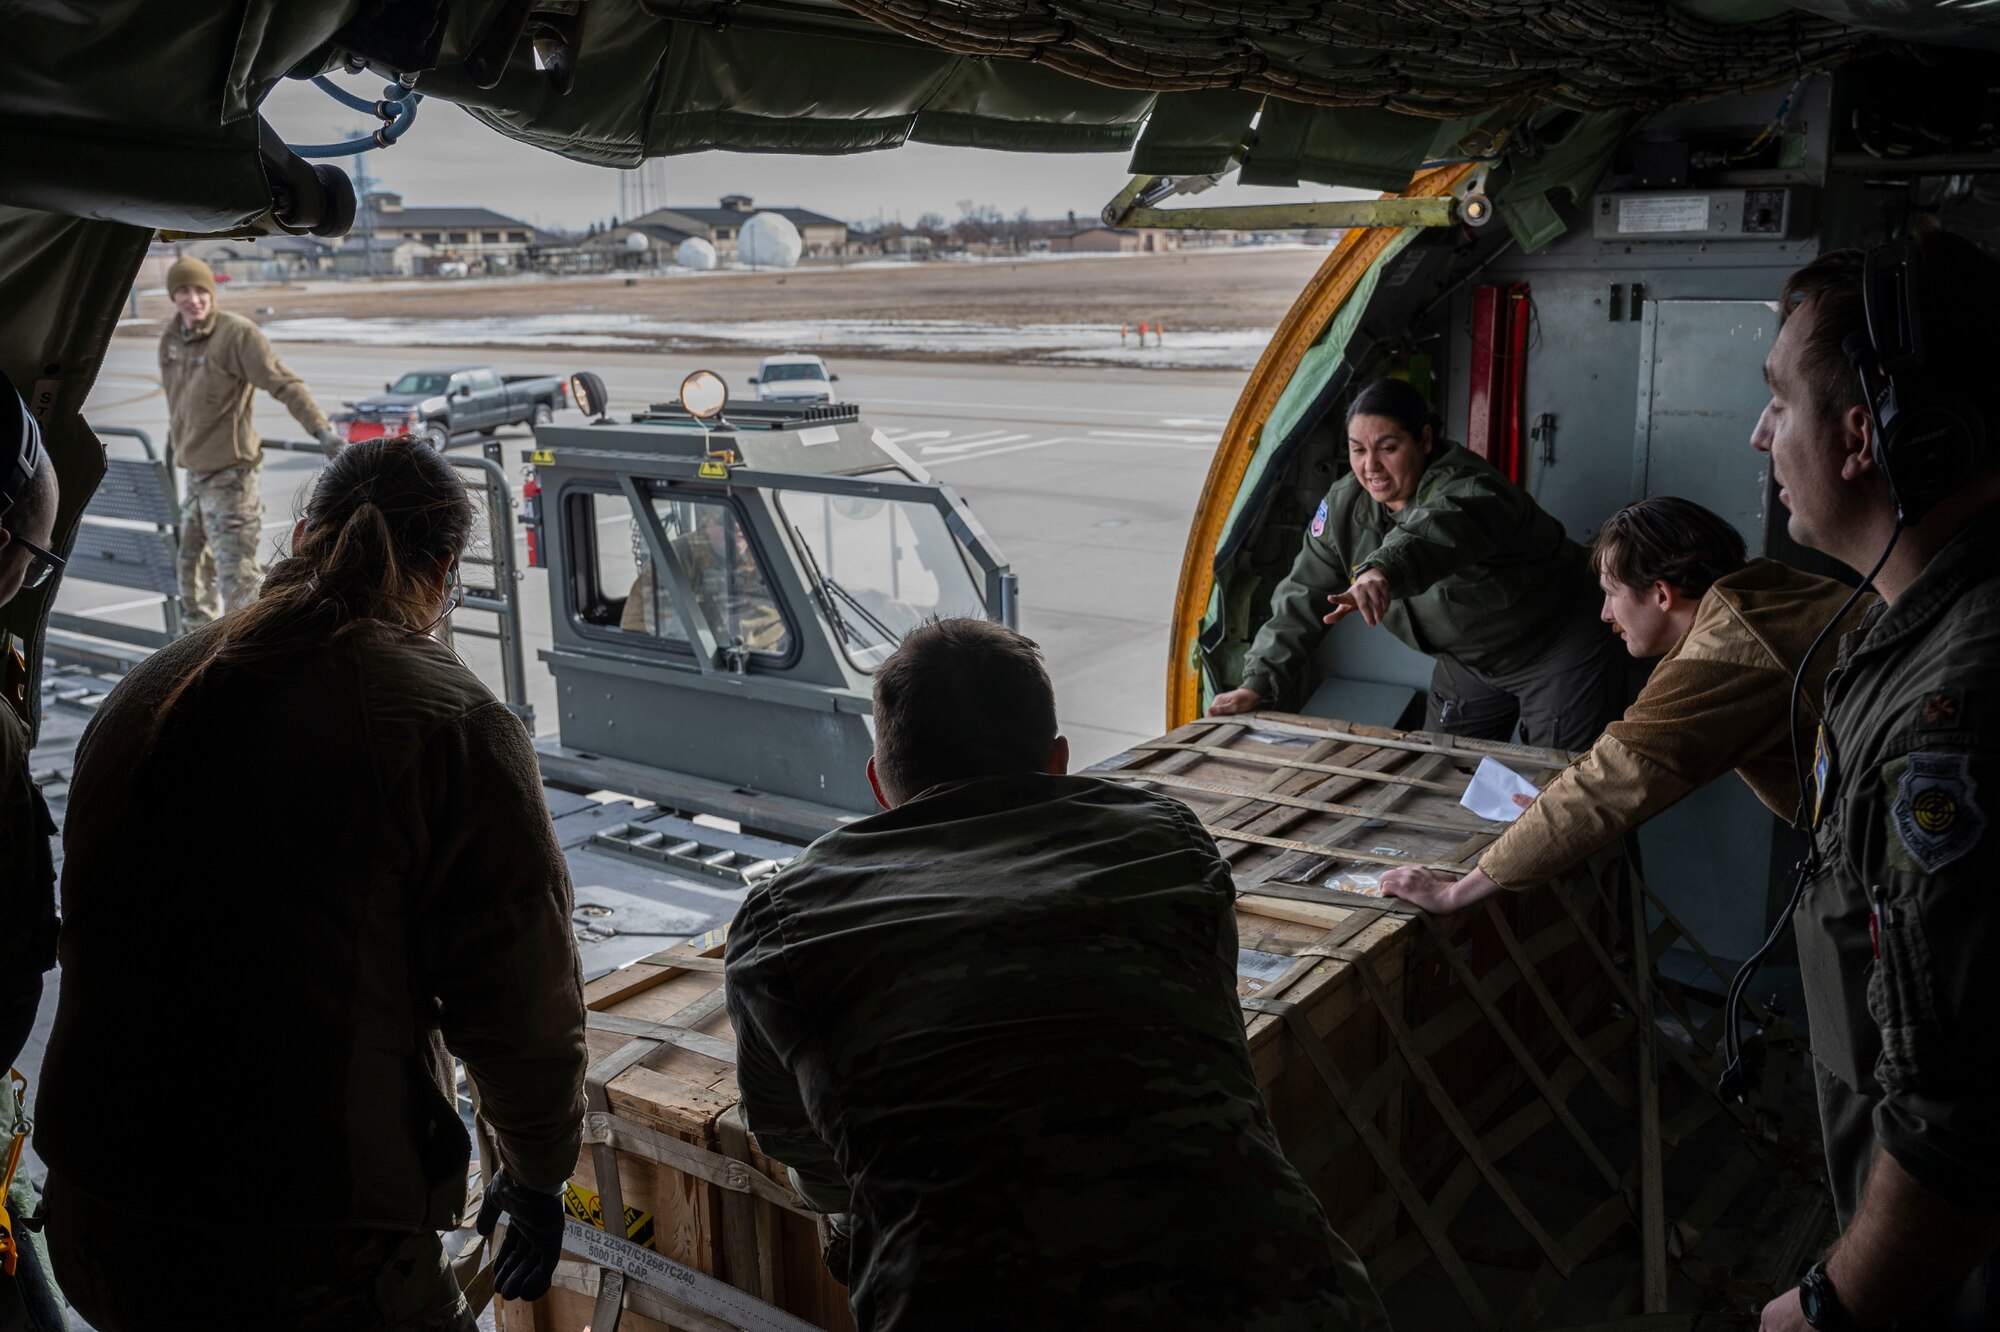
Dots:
pixel 1821 1304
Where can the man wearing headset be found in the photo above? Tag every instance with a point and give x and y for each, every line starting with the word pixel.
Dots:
pixel 27 872
pixel 1887 455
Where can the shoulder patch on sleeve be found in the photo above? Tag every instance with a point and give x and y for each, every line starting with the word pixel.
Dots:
pixel 1319 520
pixel 1934 813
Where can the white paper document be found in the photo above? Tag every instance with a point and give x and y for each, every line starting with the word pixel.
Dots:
pixel 1494 786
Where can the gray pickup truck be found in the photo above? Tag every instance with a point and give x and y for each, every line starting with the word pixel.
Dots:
pixel 438 405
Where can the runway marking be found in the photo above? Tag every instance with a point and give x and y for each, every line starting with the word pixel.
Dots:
pixel 1009 448
pixel 1004 407
pixel 1199 441
pixel 987 451
pixel 967 445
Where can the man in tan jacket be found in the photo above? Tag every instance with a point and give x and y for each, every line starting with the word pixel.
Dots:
pixel 1675 582
pixel 210 364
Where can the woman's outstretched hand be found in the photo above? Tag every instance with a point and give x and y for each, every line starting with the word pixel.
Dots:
pixel 1368 597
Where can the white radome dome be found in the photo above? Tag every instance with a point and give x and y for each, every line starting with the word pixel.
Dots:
pixel 694 252
pixel 637 242
pixel 769 240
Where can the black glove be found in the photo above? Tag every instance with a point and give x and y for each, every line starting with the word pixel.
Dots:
pixel 534 1237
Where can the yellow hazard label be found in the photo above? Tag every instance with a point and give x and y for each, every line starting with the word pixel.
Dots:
pixel 541 456
pixel 713 471
pixel 587 1207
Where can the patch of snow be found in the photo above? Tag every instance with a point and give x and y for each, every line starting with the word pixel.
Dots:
pixel 1104 344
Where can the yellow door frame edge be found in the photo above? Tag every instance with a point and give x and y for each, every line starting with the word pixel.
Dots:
pixel 1315 307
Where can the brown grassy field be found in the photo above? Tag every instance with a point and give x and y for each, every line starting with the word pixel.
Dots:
pixel 1234 289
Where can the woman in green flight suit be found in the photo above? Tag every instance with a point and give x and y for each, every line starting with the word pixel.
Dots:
pixel 1426 539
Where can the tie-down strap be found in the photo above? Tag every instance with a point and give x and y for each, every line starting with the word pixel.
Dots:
pixel 724 1171
pixel 623 1268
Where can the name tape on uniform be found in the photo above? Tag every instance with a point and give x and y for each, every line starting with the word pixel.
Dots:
pixel 697 1290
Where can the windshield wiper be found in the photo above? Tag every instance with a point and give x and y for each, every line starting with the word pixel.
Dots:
pixel 888 635
pixel 821 593
pixel 825 591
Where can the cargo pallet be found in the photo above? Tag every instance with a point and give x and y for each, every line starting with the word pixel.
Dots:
pixel 1510 1113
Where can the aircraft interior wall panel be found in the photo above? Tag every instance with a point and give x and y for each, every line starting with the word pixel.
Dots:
pixel 1658 403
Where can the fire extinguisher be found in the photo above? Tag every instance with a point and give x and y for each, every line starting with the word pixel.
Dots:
pixel 531 515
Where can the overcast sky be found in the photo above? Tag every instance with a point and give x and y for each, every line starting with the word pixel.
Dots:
pixel 450 158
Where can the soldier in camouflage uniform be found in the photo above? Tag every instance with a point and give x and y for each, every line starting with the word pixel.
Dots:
pixel 1897 925
pixel 1425 539
pixel 996 1027
pixel 721 569
pixel 210 363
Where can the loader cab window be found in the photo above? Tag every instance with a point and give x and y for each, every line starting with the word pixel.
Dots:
pixel 884 566
pixel 620 594
pixel 712 551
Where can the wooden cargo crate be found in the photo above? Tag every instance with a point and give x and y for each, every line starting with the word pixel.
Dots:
pixel 1408 1064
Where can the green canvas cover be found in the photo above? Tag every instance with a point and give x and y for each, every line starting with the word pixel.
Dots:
pixel 122 116
pixel 144 111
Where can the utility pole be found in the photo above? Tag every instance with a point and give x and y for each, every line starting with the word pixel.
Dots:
pixel 364 185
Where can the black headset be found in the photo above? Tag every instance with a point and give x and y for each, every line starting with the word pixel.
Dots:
pixel 1929 435
pixel 21 452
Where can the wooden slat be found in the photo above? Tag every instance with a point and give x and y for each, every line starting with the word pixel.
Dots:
pixel 1448 1111
pixel 1278 820
pixel 1700 1075
pixel 1218 735
pixel 652 970
pixel 1363 812
pixel 1344 853
pixel 1386 1161
pixel 1455 746
pixel 1376 806
pixel 1611 1086
pixel 1281 782
pixel 1558 1104
pixel 1269 761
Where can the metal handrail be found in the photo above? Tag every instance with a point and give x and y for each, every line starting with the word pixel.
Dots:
pixel 507 603
pixel 133 432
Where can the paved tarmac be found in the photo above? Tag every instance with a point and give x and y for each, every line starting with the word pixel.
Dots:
pixel 1087 479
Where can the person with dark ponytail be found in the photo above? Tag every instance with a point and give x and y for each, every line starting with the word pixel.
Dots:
pixel 1424 538
pixel 308 862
